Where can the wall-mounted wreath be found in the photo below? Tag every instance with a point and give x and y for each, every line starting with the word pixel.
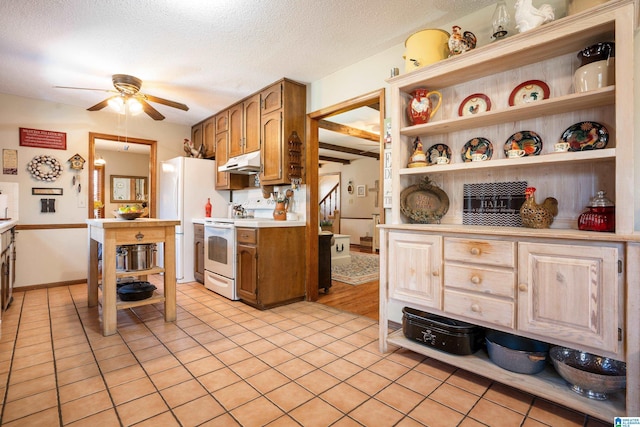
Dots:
pixel 45 168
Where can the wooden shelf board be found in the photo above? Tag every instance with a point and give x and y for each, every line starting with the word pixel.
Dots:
pixel 154 299
pixel 545 107
pixel 152 270
pixel 546 159
pixel 547 384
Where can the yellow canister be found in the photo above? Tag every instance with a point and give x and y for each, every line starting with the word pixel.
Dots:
pixel 425 47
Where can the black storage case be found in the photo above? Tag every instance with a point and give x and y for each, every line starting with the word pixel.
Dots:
pixel 441 333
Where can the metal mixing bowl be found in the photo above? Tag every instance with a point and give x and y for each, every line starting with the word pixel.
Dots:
pixel 587 374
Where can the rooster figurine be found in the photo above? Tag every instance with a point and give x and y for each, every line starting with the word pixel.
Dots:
pixel 528 17
pixel 537 216
pixel 190 151
pixel 460 42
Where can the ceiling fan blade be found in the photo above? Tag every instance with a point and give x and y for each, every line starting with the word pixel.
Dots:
pixel 152 112
pixel 173 104
pixel 85 88
pixel 99 106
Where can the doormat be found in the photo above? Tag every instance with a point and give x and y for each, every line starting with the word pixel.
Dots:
pixel 363 268
pixel 493 203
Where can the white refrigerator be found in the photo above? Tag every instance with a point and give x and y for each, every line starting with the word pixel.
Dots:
pixel 185 185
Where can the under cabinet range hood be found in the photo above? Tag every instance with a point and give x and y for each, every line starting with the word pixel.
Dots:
pixel 244 164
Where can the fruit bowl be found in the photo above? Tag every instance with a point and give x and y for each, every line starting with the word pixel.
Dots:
pixel 128 215
pixel 587 374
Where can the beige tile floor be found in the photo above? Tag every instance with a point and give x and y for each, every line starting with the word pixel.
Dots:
pixel 223 363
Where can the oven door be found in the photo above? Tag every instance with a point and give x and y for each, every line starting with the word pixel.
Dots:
pixel 220 249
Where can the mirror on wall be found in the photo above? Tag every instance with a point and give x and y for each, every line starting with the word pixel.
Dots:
pixel 123 157
pixel 128 189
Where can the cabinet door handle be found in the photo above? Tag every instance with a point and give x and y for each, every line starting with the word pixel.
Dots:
pixel 475 251
pixel 475 308
pixel 522 287
pixel 435 273
pixel 476 279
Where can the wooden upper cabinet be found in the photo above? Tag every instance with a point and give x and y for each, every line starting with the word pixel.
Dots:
pixel 283 112
pixel 272 98
pixel 272 148
pixel 225 180
pixel 197 134
pixel 251 108
pixel 222 121
pixel 222 178
pixel 244 126
pixel 208 138
pixel 235 131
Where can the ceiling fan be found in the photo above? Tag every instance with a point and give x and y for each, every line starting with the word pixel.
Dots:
pixel 127 93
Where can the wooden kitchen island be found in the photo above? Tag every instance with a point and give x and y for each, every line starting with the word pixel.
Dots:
pixel 114 232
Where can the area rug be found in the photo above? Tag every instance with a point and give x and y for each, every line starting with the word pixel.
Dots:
pixel 363 268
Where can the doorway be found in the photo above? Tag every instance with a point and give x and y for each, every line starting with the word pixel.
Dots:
pixel 98 185
pixel 375 99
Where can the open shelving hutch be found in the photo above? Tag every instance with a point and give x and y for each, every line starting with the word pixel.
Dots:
pixel 573 288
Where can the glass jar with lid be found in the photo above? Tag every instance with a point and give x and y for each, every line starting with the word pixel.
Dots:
pixel 599 216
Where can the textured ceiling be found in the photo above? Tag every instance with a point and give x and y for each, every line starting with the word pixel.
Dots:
pixel 204 53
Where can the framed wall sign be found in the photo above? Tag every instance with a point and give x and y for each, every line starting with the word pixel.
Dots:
pixel 10 162
pixel 43 139
pixel 46 191
pixel 361 190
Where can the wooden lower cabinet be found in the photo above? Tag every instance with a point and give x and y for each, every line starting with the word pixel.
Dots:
pixel 570 293
pixel 564 291
pixel 198 252
pixel 270 267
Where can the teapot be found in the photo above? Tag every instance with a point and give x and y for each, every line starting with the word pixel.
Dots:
pixel 600 215
pixel 420 108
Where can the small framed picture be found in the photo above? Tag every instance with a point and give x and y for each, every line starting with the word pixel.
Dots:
pixel 46 191
pixel 361 190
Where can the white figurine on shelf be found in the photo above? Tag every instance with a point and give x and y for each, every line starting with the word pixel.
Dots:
pixel 528 17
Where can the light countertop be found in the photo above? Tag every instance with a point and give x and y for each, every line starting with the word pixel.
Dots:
pixel 256 222
pixel 7 224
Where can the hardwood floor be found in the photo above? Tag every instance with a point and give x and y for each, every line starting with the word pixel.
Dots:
pixel 361 299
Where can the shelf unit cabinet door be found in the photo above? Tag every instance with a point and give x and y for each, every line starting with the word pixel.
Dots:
pixel 415 264
pixel 247 273
pixel 570 293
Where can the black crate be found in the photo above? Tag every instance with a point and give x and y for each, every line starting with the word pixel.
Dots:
pixel 441 333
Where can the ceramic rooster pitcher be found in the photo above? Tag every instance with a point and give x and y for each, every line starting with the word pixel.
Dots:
pixel 420 108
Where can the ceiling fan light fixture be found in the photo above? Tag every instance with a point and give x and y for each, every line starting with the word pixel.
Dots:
pixel 116 103
pixel 134 106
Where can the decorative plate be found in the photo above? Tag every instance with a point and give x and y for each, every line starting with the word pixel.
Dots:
pixel 585 136
pixel 529 91
pixel 476 146
pixel 474 104
pixel 526 140
pixel 438 150
pixel 424 203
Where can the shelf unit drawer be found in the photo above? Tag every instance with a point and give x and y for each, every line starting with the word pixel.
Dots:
pixel 479 251
pixel 485 280
pixel 487 309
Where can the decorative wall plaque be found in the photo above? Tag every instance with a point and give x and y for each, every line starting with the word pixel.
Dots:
pixel 494 203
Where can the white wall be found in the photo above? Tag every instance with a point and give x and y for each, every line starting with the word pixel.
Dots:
pixel 49 256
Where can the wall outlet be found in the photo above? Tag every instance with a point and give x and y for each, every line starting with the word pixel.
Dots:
pixel 82 202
